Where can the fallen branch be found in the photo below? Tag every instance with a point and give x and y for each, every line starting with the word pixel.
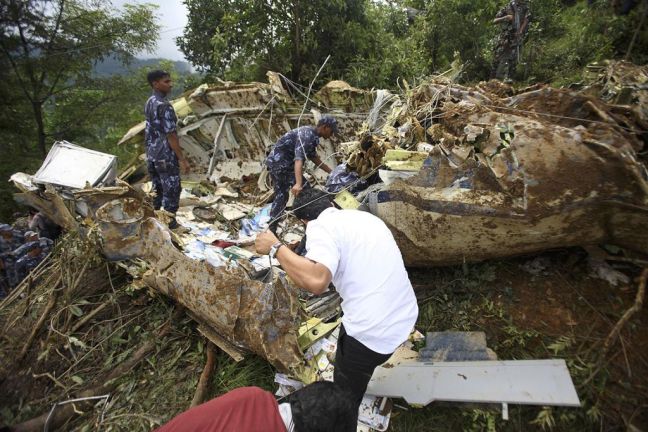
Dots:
pixel 616 330
pixel 60 416
pixel 89 316
pixel 18 317
pixel 201 389
pixel 72 288
pixel 27 296
pixel 636 307
pixel 48 308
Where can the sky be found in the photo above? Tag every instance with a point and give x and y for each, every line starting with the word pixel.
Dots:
pixel 172 17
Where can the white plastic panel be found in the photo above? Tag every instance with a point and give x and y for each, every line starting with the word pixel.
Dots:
pixel 534 382
pixel 72 166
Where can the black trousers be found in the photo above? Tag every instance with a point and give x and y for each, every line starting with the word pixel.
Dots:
pixel 354 365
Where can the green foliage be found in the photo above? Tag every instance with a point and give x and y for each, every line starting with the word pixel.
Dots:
pixel 50 47
pixel 458 26
pixel 389 51
pixel 47 53
pixel 563 40
pixel 377 43
pixel 367 40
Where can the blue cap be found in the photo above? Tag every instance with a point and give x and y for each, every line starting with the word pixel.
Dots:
pixel 330 122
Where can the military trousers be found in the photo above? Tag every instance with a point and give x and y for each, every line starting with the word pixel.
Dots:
pixel 165 176
pixel 282 182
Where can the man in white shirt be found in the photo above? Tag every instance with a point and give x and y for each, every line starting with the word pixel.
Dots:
pixel 356 251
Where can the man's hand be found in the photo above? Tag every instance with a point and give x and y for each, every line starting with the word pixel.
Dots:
pixel 184 166
pixel 264 242
pixel 295 190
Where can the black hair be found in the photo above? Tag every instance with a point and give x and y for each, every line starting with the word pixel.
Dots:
pixel 323 407
pixel 156 75
pixel 310 203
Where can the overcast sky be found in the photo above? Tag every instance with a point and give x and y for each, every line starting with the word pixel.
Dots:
pixel 172 17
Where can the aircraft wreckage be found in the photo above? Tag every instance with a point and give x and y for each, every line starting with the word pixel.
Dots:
pixel 457 173
pixel 487 172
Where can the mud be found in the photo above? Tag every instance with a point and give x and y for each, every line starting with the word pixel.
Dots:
pixel 255 316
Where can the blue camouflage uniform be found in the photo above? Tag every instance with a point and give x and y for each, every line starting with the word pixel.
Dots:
pixel 10 239
pixel 25 262
pixel 298 144
pixel 341 178
pixel 162 162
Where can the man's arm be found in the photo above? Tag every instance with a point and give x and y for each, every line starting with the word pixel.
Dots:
pixel 174 143
pixel 309 275
pixel 299 179
pixel 503 18
pixel 523 27
pixel 319 164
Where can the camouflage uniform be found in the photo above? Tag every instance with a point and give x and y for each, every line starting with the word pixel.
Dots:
pixel 341 178
pixel 10 239
pixel 162 162
pixel 298 144
pixel 25 262
pixel 507 46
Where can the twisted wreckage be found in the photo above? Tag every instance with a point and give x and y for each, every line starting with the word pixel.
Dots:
pixel 457 173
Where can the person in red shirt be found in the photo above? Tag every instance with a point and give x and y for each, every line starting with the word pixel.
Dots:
pixel 319 407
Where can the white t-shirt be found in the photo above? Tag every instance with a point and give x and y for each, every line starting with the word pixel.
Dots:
pixel 378 301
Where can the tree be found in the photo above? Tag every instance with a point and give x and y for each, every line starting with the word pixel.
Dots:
pixel 50 47
pixel 250 37
pixel 203 20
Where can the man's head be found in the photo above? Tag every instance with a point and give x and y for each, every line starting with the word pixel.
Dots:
pixel 160 81
pixel 327 126
pixel 310 203
pixel 323 407
pixel 31 236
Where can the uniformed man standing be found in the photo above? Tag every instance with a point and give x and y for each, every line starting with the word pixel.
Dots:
pixel 163 153
pixel 514 19
pixel 286 161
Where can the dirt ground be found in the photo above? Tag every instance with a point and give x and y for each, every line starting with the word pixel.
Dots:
pixel 559 312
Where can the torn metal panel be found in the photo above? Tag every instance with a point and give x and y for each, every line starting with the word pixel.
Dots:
pixel 341 95
pixel 529 382
pixel 135 135
pixel 250 314
pixel 74 167
pixel 524 183
pixel 503 172
pixel 88 201
pixel 258 114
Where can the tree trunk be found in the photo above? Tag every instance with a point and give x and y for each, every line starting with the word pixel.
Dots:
pixel 38 116
pixel 636 33
pixel 296 55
